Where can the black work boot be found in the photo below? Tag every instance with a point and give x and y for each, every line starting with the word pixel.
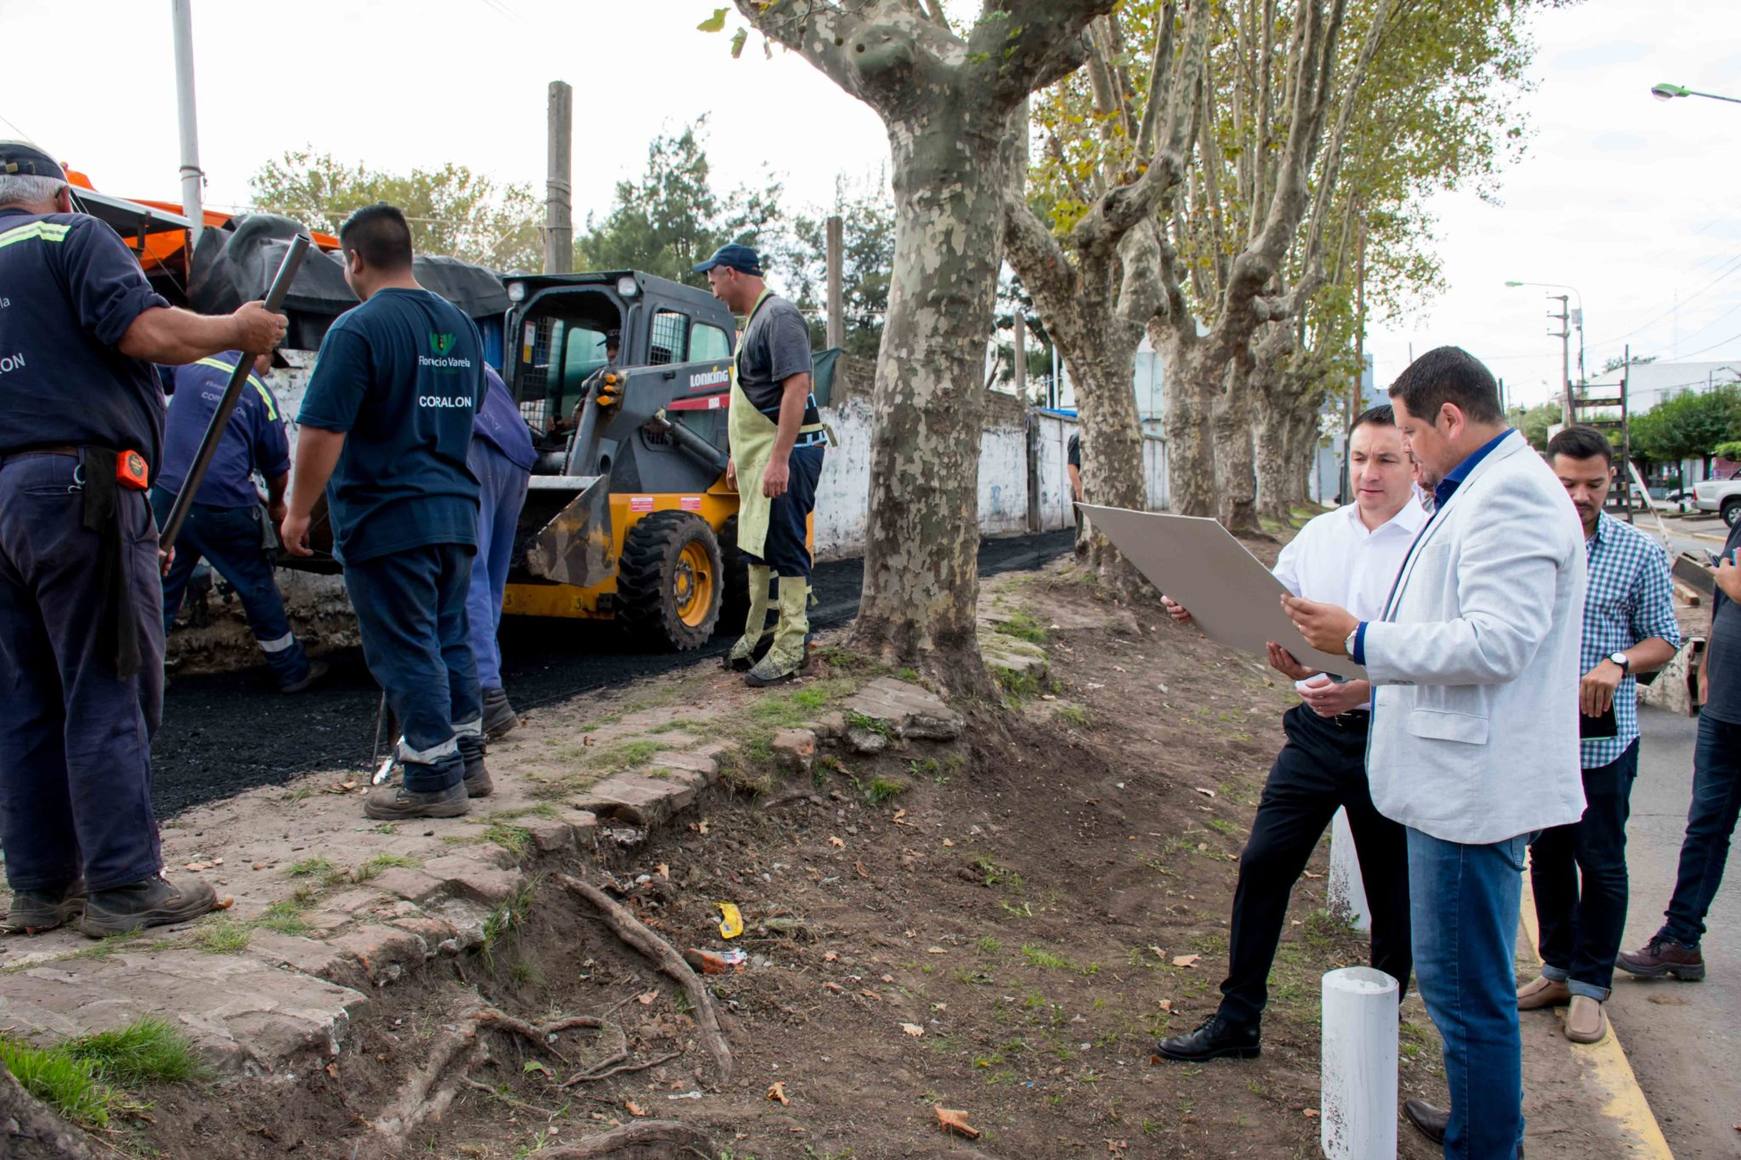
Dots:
pixel 154 902
pixel 1215 1038
pixel 499 716
pixel 36 911
pixel 477 778
pixel 316 670
pixel 395 803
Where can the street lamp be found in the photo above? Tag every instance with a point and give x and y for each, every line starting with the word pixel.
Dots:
pixel 1668 92
pixel 1568 319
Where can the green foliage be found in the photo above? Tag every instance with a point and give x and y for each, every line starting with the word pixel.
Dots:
pixel 382 862
pixel 1730 450
pixel 1690 425
pixel 517 840
pixel 670 218
pixel 451 210
pixel 881 789
pixel 222 935
pixel 1023 625
pixel 1535 421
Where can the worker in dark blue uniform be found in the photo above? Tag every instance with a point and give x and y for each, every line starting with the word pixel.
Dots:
pixel 226 523
pixel 81 604
pixel 501 457
pixel 388 419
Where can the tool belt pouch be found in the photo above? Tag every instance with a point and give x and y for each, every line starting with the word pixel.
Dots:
pixel 104 516
pixel 268 534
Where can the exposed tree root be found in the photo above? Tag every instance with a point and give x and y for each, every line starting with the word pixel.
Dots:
pixel 641 1140
pixel 593 1075
pixel 663 955
pixel 430 1092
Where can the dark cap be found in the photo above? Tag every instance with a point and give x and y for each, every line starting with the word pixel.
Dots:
pixel 22 159
pixel 739 258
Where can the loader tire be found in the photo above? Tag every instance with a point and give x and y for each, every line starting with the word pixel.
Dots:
pixel 734 603
pixel 669 580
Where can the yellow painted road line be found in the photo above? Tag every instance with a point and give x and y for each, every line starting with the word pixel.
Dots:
pixel 1607 1070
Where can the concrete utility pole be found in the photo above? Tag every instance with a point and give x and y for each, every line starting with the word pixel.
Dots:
pixel 1564 318
pixel 1020 326
pixel 191 173
pixel 558 182
pixel 836 296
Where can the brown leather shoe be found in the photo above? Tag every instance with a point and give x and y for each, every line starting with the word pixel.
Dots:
pixel 1586 1022
pixel 1543 992
pixel 1663 956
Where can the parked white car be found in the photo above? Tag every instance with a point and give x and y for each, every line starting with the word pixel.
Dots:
pixel 1720 495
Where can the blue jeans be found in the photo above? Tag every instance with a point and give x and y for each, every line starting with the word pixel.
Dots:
pixel 1579 875
pixel 501 495
pixel 1463 907
pixel 231 539
pixel 75 738
pixel 1710 822
pixel 410 610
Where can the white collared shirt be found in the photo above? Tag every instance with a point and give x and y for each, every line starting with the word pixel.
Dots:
pixel 1335 560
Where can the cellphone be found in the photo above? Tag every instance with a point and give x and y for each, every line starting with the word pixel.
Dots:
pixel 1717 560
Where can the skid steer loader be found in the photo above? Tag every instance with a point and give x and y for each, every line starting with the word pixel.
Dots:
pixel 628 516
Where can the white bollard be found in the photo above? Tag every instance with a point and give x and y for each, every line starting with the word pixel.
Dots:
pixel 1347 888
pixel 1358 1077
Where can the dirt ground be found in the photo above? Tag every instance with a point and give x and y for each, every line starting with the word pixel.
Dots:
pixel 1002 925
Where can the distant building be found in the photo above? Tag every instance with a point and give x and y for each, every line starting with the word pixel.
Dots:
pixel 1653 382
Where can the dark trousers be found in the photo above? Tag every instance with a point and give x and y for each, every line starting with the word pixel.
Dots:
pixel 410 609
pixel 232 539
pixel 1578 874
pixel 1322 766
pixel 1710 822
pixel 75 739
pixel 501 495
pixel 785 549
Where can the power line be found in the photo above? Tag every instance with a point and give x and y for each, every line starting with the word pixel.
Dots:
pixel 1713 346
pixel 1729 268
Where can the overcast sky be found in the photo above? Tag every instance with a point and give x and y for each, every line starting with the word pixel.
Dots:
pixel 1635 202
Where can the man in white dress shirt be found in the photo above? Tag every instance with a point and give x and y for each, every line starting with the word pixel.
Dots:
pixel 1348 557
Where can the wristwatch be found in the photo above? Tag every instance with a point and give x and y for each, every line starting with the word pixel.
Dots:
pixel 1348 645
pixel 1622 660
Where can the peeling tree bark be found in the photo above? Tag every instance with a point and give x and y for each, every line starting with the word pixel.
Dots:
pixel 947 101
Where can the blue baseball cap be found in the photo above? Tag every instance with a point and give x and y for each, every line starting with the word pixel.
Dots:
pixel 22 159
pixel 739 258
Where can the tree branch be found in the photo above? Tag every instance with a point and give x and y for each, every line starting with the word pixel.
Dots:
pixel 872 52
pixel 1018 46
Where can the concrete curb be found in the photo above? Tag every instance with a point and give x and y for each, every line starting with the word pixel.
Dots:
pixel 1606 1067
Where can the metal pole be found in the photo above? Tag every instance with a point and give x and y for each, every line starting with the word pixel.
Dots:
pixel 836 295
pixel 1021 336
pixel 1565 337
pixel 1626 435
pixel 558 183
pixel 208 444
pixel 191 174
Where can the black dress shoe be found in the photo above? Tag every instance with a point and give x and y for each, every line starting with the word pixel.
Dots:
pixel 1215 1038
pixel 1428 1120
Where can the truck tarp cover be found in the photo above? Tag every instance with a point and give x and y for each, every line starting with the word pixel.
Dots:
pixel 236 266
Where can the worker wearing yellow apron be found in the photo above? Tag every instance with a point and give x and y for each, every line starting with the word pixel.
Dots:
pixel 777 444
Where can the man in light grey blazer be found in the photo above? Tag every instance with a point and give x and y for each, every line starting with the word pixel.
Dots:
pixel 1474 737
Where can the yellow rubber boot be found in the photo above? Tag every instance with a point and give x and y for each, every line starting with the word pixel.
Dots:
pixel 786 657
pixel 756 631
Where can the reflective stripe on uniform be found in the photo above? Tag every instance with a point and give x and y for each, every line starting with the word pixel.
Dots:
pixel 279 645
pixel 228 369
pixel 46 231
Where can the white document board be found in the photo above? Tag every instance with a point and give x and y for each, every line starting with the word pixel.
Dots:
pixel 1228 591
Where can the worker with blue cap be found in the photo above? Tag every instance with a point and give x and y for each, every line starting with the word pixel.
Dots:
pixel 81 615
pixel 777 442
pixel 226 523
pixel 501 457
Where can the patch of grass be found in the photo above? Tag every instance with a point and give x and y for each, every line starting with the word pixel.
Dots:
pixel 147 1051
pixel 909 674
pixel 516 840
pixel 623 756
pixel 1047 960
pixel 110 944
pixel 58 1079
pixel 1222 826
pixel 1018 685
pixel 374 867
pixel 989 945
pixel 877 725
pixel 1073 714
pixel 1022 625
pixel 283 916
pixel 222 935
pixel 882 789
pixel 997 874
pixel 507 917
pixel 679 725
pixel 321 868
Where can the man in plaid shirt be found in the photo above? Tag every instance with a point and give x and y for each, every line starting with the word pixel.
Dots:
pixel 1629 628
